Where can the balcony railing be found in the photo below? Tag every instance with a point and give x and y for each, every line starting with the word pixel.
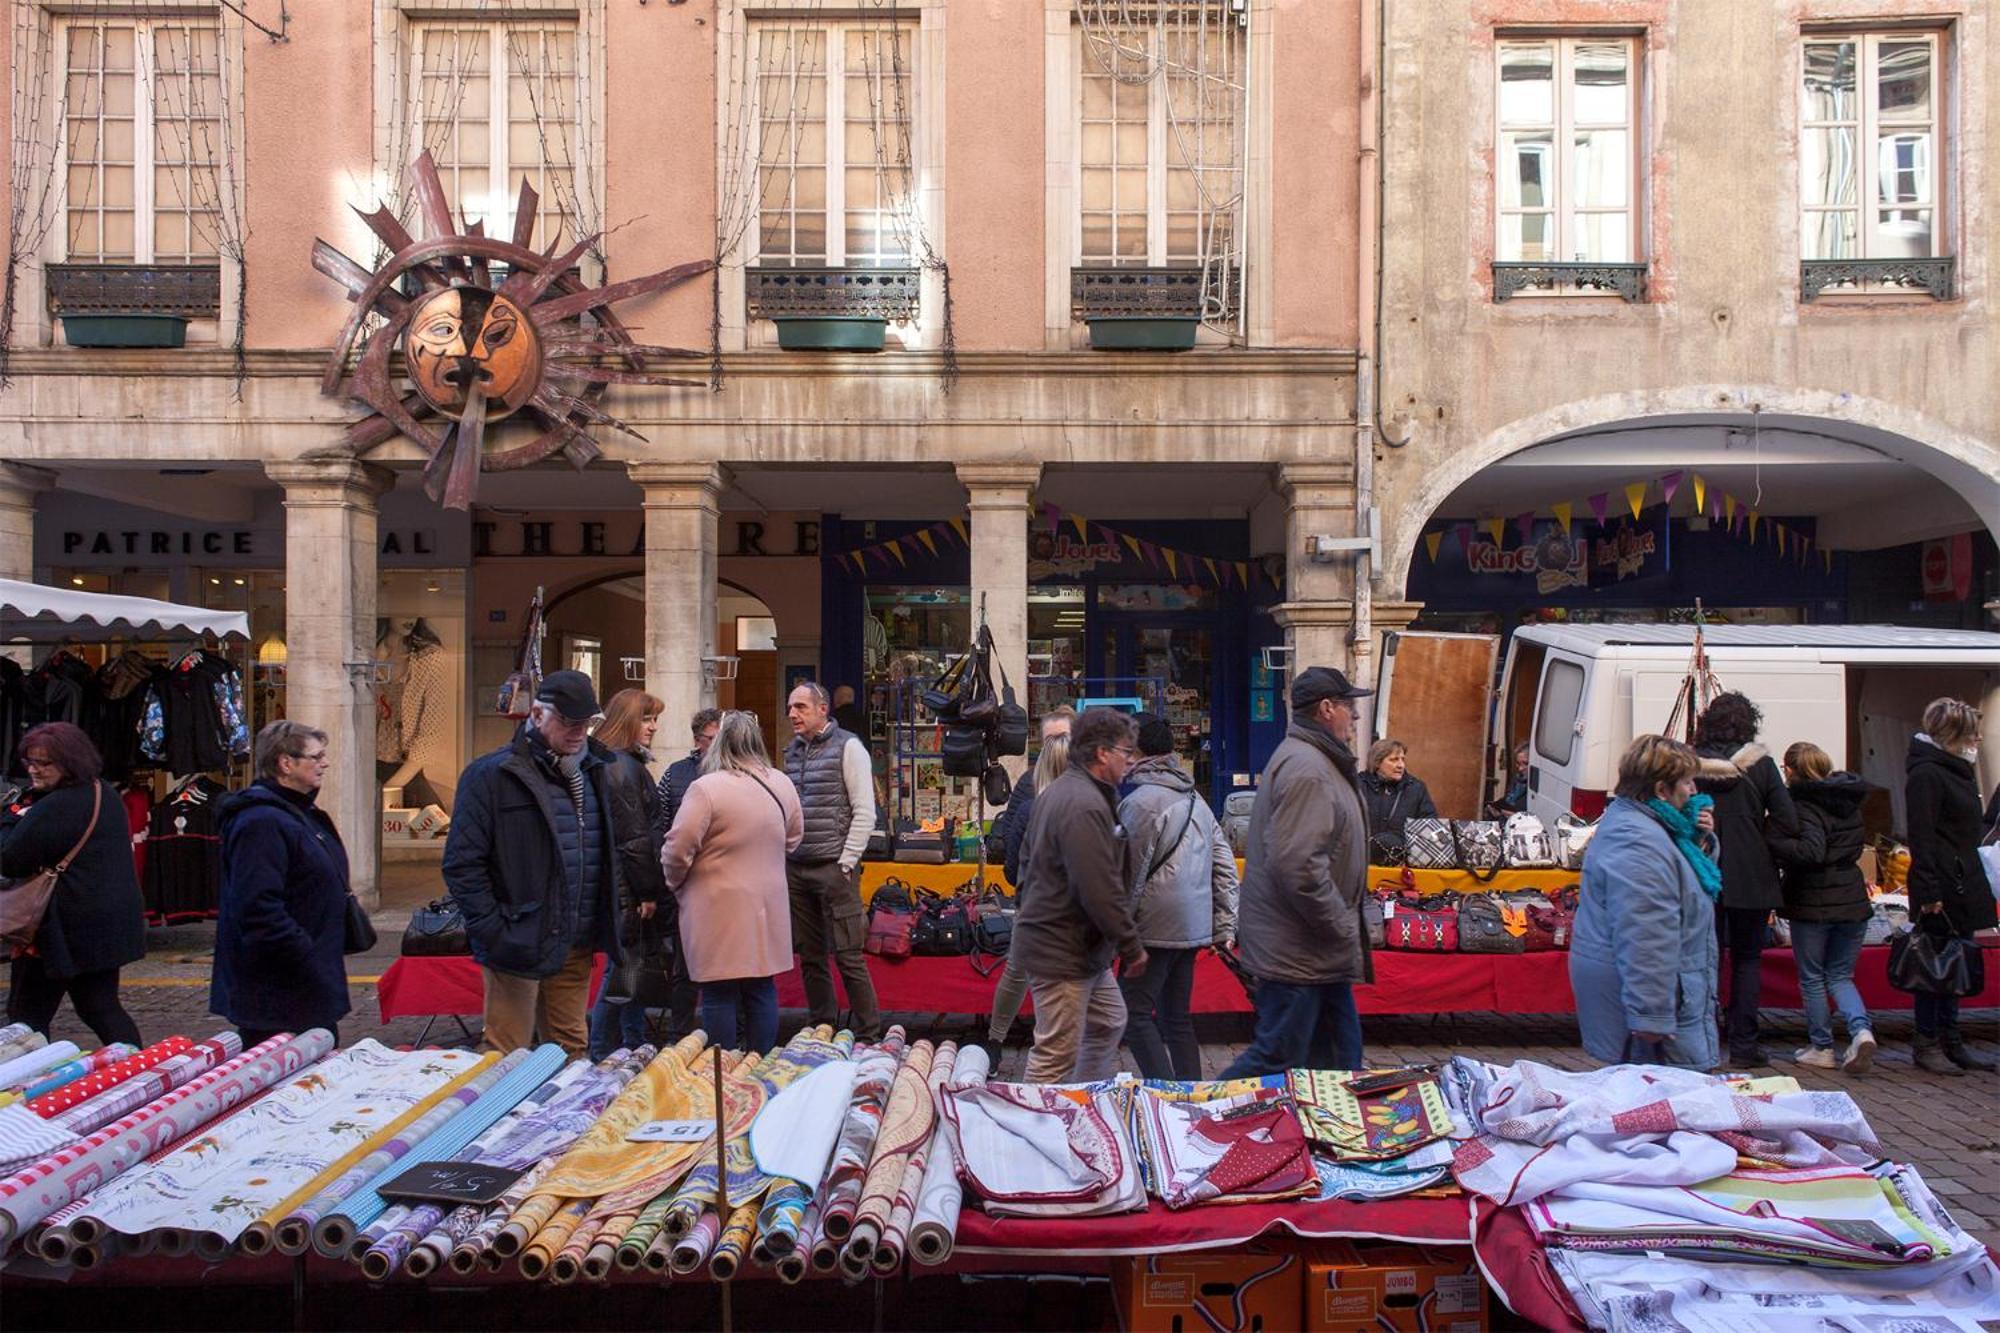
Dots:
pixel 1110 292
pixel 1626 281
pixel 193 291
pixel 1932 276
pixel 833 293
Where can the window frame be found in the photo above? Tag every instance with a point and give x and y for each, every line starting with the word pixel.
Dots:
pixel 1867 124
pixel 1561 211
pixel 1575 673
pixel 144 136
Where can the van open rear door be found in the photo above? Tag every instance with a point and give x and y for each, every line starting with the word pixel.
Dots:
pixel 1436 695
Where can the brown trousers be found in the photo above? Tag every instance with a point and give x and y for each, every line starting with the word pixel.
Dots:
pixel 518 1007
pixel 828 920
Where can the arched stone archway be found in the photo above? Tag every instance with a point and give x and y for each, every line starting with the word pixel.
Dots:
pixel 1969 466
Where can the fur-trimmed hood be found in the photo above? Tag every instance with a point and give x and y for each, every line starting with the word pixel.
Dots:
pixel 1725 767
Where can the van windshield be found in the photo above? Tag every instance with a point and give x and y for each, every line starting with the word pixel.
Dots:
pixel 1555 715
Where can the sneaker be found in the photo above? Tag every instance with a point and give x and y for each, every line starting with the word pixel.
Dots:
pixel 1815 1057
pixel 1860 1053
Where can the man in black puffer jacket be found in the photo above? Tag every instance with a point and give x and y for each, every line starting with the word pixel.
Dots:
pixel 1826 901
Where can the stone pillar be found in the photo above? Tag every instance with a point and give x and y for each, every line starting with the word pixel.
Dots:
pixel 330 580
pixel 1319 615
pixel 683 504
pixel 19 485
pixel 999 497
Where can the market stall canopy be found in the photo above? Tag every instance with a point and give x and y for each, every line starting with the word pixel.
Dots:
pixel 30 610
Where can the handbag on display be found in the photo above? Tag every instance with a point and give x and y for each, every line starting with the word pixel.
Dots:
pixel 1482 846
pixel 1428 845
pixel 1929 958
pixel 1526 843
pixel 1427 925
pixel 1010 721
pixel 890 933
pixel 1386 849
pixel 941 696
pixel 998 788
pixel 962 752
pixel 943 928
pixel 25 902
pixel 436 931
pixel 357 932
pixel 1372 919
pixel 1572 836
pixel 1482 928
pixel 992 922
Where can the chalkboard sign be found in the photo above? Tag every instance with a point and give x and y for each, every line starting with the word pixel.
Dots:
pixel 451 1182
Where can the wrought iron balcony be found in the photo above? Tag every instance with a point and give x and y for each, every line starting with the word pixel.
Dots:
pixel 1111 292
pixel 1932 276
pixel 1510 278
pixel 193 291
pixel 833 293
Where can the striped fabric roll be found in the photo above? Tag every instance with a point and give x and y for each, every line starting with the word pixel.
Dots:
pixel 103 1080
pixel 77 1068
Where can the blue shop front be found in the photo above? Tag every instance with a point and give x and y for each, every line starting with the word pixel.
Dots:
pixel 1156 616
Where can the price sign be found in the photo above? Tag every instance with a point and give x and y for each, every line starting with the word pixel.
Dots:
pixel 451 1182
pixel 671 1131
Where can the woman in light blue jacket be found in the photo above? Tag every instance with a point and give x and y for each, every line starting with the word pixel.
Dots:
pixel 1642 957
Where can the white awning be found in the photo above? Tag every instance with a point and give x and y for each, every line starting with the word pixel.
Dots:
pixel 35 611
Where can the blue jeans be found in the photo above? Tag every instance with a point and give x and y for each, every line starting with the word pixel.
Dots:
pixel 1301 1027
pixel 614 1025
pixel 758 997
pixel 1826 952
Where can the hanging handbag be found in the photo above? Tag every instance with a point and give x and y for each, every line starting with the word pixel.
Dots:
pixel 1572 836
pixel 25 902
pixel 1428 845
pixel 941 696
pixel 1929 958
pixel 977 703
pixel 1526 843
pixel 358 932
pixel 1482 846
pixel 1482 927
pixel 1386 849
pixel 962 752
pixel 645 975
pixel 1010 721
pixel 997 786
pixel 436 931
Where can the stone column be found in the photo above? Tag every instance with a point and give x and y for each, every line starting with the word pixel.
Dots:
pixel 683 504
pixel 999 498
pixel 19 485
pixel 1319 614
pixel 330 579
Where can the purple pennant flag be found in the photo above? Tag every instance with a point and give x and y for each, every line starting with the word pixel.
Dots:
pixel 1670 483
pixel 1525 525
pixel 1597 506
pixel 1051 516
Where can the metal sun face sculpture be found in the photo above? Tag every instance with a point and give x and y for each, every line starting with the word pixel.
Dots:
pixel 540 344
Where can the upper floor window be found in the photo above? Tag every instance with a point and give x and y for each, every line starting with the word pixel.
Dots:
pixel 142 140
pixel 497 104
pixel 833 105
pixel 1160 158
pixel 1567 156
pixel 1869 152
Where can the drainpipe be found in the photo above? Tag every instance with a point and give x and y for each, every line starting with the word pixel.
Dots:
pixel 1367 277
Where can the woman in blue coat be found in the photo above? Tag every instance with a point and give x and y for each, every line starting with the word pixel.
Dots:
pixel 282 929
pixel 1642 957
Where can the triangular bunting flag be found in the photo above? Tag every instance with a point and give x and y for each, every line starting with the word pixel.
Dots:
pixel 1700 494
pixel 1495 527
pixel 1635 496
pixel 1432 540
pixel 1562 509
pixel 1082 526
pixel 1729 511
pixel 1132 543
pixel 1243 574
pixel 1464 531
pixel 1525 526
pixel 1051 516
pixel 1827 556
pixel 860 562
pixel 1779 528
pixel 896 549
pixel 1213 577
pixel 958 526
pixel 930 542
pixel 1754 517
pixel 1669 483
pixel 1173 561
pixel 1598 503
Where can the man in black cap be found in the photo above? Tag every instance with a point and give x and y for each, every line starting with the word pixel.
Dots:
pixel 1299 927
pixel 529 861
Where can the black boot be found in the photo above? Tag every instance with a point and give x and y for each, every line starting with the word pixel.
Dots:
pixel 1955 1050
pixel 1930 1057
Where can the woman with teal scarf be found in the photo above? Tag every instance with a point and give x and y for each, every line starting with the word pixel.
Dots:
pixel 1643 954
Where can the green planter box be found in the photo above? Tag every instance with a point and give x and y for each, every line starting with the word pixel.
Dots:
pixel 843 333
pixel 125 330
pixel 1142 333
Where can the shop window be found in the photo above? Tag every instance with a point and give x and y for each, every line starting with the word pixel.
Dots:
pixel 1871 164
pixel 1555 714
pixel 497 104
pixel 142 143
pixel 586 654
pixel 910 635
pixel 1567 160
pixel 756 634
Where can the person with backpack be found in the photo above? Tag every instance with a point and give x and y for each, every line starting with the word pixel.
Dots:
pixel 1183 901
pixel 1826 901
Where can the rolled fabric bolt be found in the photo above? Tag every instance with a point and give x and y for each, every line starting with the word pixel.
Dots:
pixel 211 1248
pixel 692 1249
pixel 540 1253
pixel 570 1257
pixel 793 1267
pixel 598 1263
pixel 825 1254
pixel 522 1227
pixel 90 1116
pixel 840 1188
pixel 659 1256
pixel 733 1243
pixel 32 1063
pixel 72 1070
pixel 56 1244
pixel 175 1242
pixel 101 1080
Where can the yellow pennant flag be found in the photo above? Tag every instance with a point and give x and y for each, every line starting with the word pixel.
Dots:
pixel 1779 528
pixel 1082 526
pixel 860 562
pixel 1635 496
pixel 1173 562
pixel 1243 572
pixel 1213 577
pixel 1826 556
pixel 1562 509
pixel 1754 516
pixel 1132 544
pixel 1494 527
pixel 1432 539
pixel 958 526
pixel 1729 512
pixel 1700 494
pixel 930 542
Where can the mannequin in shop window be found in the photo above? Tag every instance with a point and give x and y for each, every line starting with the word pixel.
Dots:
pixel 423 718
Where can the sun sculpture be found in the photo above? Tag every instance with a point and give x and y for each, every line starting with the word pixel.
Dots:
pixel 540 344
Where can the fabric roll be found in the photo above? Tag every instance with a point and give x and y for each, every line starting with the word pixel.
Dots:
pixel 90 1116
pixel 941 1194
pixel 548 1240
pixel 568 1263
pixel 732 1244
pixel 907 1120
pixel 72 1070
pixel 454 1229
pixel 603 1160
pixel 478 1243
pixel 782 1218
pixel 29 1196
pixel 77 1091
pixel 840 1189
pixel 895 1232
pixel 692 1250
pixel 495 1092
pixel 32 1063
pixel 17 1039
pixel 290 1223
pixel 525 1224
pixel 26 1138
pixel 225 1180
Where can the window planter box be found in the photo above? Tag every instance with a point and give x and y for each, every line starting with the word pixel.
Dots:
pixel 1143 309
pixel 1142 333
pixel 132 305
pixel 132 329
pixel 830 333
pixel 832 309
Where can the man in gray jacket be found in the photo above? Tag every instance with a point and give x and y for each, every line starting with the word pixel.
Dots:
pixel 1299 927
pixel 1078 918
pixel 836 784
pixel 1183 899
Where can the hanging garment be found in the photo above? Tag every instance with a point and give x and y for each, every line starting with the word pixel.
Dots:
pixel 139 818
pixel 424 721
pixel 121 686
pixel 183 863
pixel 63 689
pixel 194 717
pixel 13 715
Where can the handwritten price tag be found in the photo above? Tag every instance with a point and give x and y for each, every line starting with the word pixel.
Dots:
pixel 671 1131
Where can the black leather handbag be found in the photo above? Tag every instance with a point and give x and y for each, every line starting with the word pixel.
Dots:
pixel 358 934
pixel 646 976
pixel 1482 928
pixel 962 752
pixel 1010 721
pixel 436 931
pixel 1928 957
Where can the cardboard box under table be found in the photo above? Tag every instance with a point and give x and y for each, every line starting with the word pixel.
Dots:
pixel 1371 1285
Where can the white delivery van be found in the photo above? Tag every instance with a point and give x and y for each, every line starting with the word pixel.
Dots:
pixel 1578 694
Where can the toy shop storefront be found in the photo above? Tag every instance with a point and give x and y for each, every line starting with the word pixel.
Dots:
pixel 1151 616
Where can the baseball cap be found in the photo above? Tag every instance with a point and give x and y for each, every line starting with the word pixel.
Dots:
pixel 571 694
pixel 1317 683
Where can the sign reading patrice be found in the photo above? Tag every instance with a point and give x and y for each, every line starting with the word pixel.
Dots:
pixel 451 1182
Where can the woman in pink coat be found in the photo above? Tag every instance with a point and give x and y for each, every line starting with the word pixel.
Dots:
pixel 725 860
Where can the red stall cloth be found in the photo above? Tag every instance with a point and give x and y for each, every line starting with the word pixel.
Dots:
pixel 442 987
pixel 1155 1231
pixel 1517 1267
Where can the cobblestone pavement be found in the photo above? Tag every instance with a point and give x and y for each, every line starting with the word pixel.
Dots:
pixel 1948 1127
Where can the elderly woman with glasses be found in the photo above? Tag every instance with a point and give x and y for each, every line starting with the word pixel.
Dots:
pixel 280 936
pixel 96 920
